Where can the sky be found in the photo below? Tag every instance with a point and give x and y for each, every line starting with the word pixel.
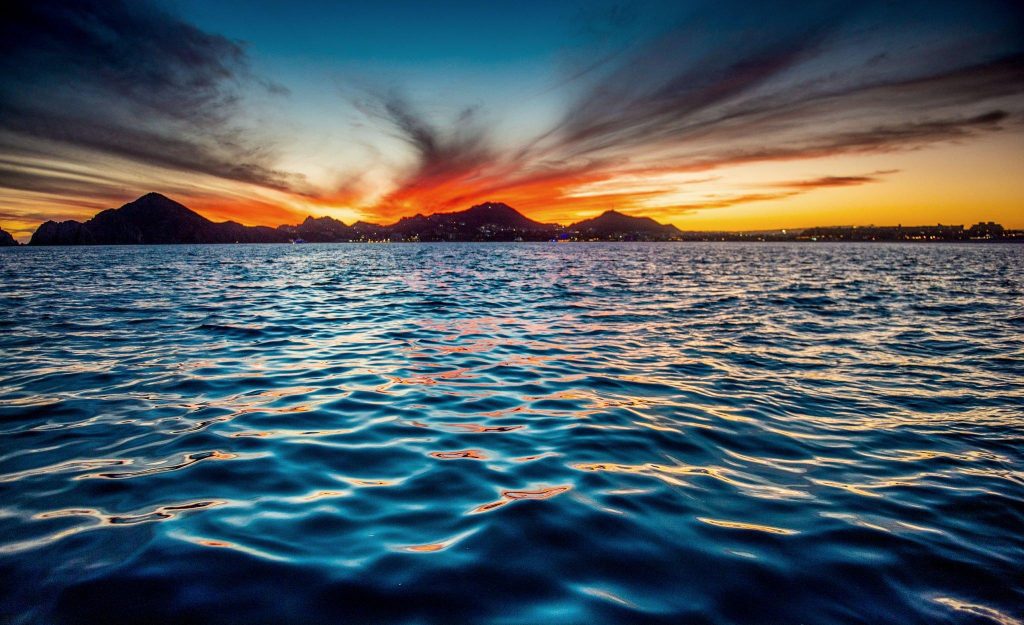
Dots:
pixel 709 115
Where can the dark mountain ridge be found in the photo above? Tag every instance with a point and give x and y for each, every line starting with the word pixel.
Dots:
pixel 151 219
pixel 320 230
pixel 490 221
pixel 156 219
pixel 617 226
pixel 6 240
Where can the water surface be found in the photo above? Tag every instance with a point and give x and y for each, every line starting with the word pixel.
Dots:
pixel 520 433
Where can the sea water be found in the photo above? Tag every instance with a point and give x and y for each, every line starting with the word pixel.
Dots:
pixel 512 433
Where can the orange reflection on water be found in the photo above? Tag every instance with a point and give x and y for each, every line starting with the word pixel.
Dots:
pixel 425 548
pixel 664 473
pixel 853 488
pixel 978 610
pixel 159 513
pixel 516 361
pixel 543 493
pixel 69 466
pixel 736 525
pixel 489 506
pixel 473 454
pixel 482 429
pixel 574 394
pixel 325 494
pixel 659 428
pixel 440 545
pixel 456 373
pixel 241 404
pixel 475 428
pixel 189 461
pixel 477 346
pixel 493 414
pixel 918 455
pixel 292 433
pixel 419 379
pixel 103 519
pixel 287 392
pixel 668 473
pixel 508 496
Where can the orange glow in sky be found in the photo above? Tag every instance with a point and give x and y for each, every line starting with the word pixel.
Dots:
pixel 708 116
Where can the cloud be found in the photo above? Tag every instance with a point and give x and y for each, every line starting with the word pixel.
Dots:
pixel 127 80
pixel 671 83
pixel 97 95
pixel 734 83
pixel 781 191
pixel 784 190
pixel 454 151
pixel 830 181
pixel 735 200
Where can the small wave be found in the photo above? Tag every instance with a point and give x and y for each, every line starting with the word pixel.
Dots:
pixel 613 433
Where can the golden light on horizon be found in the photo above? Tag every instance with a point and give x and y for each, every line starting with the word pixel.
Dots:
pixel 707 126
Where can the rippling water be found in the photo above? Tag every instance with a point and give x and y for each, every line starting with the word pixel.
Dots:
pixel 520 433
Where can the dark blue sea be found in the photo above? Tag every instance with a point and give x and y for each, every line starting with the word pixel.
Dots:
pixel 512 434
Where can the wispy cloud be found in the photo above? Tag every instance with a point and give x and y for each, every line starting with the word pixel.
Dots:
pixel 732 84
pixel 127 80
pixel 783 190
pixel 836 181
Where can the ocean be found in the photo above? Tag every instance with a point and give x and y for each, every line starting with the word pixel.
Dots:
pixel 512 433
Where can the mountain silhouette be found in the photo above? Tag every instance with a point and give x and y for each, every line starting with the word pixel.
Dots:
pixel 156 219
pixel 151 219
pixel 490 221
pixel 320 230
pixel 615 225
pixel 6 240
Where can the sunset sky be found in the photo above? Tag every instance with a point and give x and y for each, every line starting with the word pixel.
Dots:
pixel 707 115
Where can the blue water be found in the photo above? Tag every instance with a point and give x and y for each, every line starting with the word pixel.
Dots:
pixel 523 433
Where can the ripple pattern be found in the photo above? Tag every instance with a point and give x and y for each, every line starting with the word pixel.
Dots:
pixel 512 433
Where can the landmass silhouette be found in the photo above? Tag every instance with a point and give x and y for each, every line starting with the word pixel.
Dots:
pixel 156 219
pixel 6 240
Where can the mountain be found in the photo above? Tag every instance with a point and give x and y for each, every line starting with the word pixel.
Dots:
pixel 320 230
pixel 151 219
pixel 490 221
pixel 614 225
pixel 155 219
pixel 6 240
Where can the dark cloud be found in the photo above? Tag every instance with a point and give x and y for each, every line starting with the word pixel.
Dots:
pixel 708 60
pixel 870 139
pixel 830 181
pixel 755 74
pixel 48 181
pixel 451 150
pixel 788 190
pixel 730 83
pixel 725 202
pixel 129 80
